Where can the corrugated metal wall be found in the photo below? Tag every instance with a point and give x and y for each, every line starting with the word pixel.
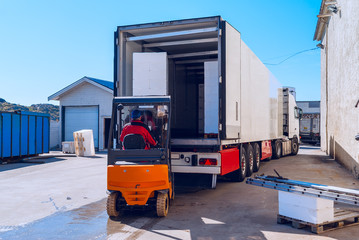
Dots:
pixel 23 134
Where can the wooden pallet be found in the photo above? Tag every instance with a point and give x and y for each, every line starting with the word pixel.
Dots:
pixel 342 218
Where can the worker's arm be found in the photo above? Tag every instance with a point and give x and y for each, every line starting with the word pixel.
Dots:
pixel 150 139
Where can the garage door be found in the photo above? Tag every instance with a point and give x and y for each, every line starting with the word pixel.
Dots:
pixel 78 118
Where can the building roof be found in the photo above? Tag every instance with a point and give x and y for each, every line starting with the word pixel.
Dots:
pixel 325 13
pixel 105 85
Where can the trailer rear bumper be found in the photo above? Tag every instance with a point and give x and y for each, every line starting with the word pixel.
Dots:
pixel 197 169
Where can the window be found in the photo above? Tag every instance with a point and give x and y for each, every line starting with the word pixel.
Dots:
pixel 154 116
pixel 298 112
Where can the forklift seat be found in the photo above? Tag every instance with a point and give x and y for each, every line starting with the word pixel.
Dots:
pixel 134 141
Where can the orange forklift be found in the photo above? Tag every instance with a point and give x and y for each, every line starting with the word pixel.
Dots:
pixel 139 177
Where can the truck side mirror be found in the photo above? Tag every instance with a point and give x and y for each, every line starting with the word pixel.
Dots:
pixel 298 112
pixel 357 137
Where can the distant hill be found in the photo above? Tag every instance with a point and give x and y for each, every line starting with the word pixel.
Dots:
pixel 53 110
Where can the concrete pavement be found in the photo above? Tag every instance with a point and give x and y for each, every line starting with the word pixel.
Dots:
pixel 231 211
pixel 31 191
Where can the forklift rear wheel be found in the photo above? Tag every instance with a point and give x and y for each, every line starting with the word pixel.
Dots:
pixel 112 209
pixel 162 204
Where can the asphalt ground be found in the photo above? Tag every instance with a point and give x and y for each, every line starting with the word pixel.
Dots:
pixel 64 197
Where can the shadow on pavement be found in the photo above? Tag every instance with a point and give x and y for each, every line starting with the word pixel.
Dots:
pixel 29 162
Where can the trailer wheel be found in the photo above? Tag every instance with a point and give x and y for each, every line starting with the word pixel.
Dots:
pixel 250 160
pixel 242 165
pixel 277 149
pixel 112 206
pixel 240 174
pixel 257 157
pixel 295 145
pixel 162 204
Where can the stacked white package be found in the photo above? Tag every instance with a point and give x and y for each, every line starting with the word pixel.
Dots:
pixel 308 209
pixel 84 143
pixel 68 147
pixel 150 74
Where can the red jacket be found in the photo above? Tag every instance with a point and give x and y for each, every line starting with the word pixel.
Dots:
pixel 137 129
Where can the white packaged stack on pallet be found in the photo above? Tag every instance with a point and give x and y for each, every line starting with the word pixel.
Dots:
pixel 84 143
pixel 150 74
pixel 68 147
pixel 308 209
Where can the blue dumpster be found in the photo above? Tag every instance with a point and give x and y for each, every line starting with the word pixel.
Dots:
pixel 23 134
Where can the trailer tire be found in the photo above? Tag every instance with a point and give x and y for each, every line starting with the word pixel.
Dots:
pixel 112 206
pixel 257 157
pixel 250 160
pixel 295 145
pixel 162 204
pixel 277 149
pixel 240 174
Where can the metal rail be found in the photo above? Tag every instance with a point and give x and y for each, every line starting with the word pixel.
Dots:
pixel 344 195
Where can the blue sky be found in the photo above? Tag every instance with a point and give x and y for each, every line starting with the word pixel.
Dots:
pixel 47 45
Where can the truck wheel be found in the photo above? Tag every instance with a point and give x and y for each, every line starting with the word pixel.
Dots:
pixel 250 160
pixel 240 174
pixel 162 204
pixel 242 165
pixel 112 207
pixel 277 149
pixel 257 157
pixel 295 145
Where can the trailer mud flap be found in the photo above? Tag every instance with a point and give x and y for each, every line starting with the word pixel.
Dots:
pixel 229 160
pixel 266 149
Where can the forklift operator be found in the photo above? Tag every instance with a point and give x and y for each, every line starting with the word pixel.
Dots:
pixel 136 126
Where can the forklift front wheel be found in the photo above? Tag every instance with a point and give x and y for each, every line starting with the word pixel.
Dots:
pixel 162 204
pixel 112 209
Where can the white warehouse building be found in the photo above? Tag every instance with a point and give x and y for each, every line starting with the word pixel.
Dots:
pixel 85 104
pixel 338 34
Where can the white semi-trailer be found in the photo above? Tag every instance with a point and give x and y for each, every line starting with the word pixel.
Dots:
pixel 227 111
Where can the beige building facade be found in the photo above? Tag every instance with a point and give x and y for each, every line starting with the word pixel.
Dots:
pixel 338 34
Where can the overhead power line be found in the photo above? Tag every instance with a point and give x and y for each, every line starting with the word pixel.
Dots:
pixel 293 55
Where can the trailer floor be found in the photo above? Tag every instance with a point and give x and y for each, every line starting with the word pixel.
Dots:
pixel 232 211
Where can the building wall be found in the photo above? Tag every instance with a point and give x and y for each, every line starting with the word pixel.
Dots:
pixel 87 94
pixel 340 86
pixel 309 106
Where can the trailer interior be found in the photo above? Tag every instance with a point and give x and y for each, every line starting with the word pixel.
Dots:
pixel 188 44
